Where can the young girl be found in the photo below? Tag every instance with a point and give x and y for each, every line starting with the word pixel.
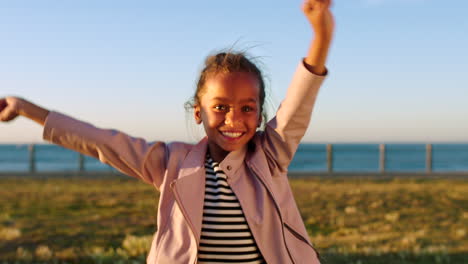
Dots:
pixel 227 198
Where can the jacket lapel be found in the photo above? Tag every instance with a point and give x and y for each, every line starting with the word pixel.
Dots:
pixel 189 188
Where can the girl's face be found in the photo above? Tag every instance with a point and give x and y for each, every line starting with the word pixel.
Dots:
pixel 229 109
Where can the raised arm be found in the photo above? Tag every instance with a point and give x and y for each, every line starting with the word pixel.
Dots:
pixel 123 152
pixel 284 132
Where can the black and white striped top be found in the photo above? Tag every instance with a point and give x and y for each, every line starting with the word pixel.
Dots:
pixel 225 235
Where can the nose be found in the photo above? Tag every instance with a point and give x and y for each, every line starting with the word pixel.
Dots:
pixel 232 117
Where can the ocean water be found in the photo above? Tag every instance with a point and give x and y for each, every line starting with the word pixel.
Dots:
pixel 308 158
pixel 15 158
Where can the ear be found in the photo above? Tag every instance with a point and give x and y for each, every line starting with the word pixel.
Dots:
pixel 260 118
pixel 197 114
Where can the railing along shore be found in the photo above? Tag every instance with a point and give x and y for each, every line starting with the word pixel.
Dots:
pixel 381 172
pixel 32 161
pixel 382 158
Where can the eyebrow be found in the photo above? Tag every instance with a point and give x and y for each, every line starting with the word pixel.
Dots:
pixel 227 99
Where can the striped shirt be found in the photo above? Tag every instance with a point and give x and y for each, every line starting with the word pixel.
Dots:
pixel 225 235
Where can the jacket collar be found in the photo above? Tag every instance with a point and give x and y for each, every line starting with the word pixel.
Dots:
pixel 233 161
pixel 189 187
pixel 195 159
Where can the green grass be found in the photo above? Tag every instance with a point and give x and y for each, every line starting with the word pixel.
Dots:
pixel 111 220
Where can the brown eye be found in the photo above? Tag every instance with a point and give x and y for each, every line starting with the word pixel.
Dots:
pixel 220 107
pixel 247 109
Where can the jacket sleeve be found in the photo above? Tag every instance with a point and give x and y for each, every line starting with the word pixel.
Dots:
pixel 127 154
pixel 283 133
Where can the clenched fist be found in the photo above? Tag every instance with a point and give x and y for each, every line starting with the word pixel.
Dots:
pixel 320 17
pixel 9 108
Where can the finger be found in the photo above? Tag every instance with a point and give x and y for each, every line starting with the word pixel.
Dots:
pixel 308 7
pixel 7 115
pixel 309 3
pixel 3 103
pixel 324 5
pixel 313 5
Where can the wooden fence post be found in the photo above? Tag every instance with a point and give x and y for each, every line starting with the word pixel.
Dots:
pixel 429 158
pixel 382 158
pixel 32 158
pixel 329 158
pixel 81 162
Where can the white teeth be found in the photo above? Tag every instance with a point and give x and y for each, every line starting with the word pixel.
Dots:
pixel 232 134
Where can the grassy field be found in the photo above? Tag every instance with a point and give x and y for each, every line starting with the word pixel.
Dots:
pixel 111 220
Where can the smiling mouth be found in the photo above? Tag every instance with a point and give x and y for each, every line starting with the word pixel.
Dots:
pixel 232 135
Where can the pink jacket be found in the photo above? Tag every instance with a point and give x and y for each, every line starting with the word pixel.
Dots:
pixel 257 175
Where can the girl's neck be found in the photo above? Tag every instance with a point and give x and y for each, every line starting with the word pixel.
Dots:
pixel 217 154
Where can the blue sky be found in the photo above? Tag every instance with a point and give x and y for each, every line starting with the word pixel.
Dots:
pixel 398 68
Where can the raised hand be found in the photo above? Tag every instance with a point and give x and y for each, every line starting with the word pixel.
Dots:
pixel 8 108
pixel 11 107
pixel 320 17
